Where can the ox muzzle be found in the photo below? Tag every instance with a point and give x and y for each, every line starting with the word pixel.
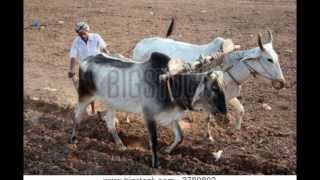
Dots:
pixel 278 84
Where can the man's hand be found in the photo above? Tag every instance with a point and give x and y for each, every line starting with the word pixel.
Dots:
pixel 106 51
pixel 71 74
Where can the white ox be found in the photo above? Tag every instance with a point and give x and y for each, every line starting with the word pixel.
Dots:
pixel 238 66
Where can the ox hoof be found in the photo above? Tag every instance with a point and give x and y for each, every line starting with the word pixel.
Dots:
pixel 121 146
pixel 238 126
pixel 128 119
pixel 73 140
pixel 155 164
pixel 166 150
pixel 211 139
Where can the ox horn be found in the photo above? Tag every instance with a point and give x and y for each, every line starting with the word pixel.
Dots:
pixel 260 42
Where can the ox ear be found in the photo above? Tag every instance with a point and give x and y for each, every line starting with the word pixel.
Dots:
pixel 199 90
pixel 260 42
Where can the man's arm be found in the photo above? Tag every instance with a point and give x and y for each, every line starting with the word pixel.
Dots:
pixel 71 72
pixel 73 55
pixel 103 45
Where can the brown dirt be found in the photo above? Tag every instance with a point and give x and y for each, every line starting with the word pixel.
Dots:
pixel 266 143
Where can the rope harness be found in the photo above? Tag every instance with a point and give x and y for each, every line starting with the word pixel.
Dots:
pixel 203 64
pixel 209 61
pixel 227 70
pixel 252 71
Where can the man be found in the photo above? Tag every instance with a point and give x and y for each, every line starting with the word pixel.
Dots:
pixel 86 44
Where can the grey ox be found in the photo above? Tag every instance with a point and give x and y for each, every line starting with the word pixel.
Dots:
pixel 136 88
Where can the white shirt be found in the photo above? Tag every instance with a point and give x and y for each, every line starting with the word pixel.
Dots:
pixel 82 50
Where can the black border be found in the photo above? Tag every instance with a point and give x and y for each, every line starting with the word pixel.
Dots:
pixel 307 78
pixel 12 89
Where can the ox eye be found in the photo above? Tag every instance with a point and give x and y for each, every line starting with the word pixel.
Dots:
pixel 270 60
pixel 214 88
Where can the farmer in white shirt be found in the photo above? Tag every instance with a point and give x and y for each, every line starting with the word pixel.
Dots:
pixel 86 44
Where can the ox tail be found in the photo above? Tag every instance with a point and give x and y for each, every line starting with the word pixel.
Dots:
pixel 171 27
